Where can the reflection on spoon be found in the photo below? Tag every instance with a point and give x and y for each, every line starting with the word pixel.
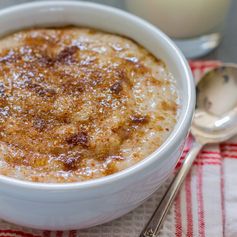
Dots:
pixel 216 110
pixel 216 92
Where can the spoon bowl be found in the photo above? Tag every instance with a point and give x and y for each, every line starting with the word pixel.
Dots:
pixel 215 118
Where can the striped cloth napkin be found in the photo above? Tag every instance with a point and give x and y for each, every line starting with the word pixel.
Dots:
pixel 205 207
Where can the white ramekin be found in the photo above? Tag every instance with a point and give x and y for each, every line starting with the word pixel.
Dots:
pixel 85 204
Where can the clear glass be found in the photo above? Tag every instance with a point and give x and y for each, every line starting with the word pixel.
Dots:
pixel 196 26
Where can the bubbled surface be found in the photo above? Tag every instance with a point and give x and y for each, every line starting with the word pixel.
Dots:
pixel 78 104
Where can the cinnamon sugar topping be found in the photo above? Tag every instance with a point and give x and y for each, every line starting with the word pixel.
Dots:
pixel 78 104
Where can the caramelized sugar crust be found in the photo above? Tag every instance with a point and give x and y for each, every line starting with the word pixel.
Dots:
pixel 78 104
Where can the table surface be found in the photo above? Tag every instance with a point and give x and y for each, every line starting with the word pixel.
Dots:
pixel 227 50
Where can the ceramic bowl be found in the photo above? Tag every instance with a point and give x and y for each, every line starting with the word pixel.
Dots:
pixel 85 204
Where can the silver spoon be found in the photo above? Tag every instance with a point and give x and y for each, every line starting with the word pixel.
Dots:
pixel 215 120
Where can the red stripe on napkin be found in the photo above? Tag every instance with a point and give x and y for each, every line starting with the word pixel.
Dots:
pixel 178 225
pixel 189 206
pixel 59 233
pixel 72 233
pixel 16 233
pixel 200 203
pixel 222 198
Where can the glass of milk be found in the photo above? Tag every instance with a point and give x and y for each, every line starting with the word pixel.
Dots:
pixel 195 25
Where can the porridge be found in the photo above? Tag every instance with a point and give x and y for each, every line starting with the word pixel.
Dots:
pixel 78 104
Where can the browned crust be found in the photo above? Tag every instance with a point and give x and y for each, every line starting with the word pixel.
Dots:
pixel 56 96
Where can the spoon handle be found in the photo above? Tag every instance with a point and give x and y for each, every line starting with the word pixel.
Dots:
pixel 154 224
